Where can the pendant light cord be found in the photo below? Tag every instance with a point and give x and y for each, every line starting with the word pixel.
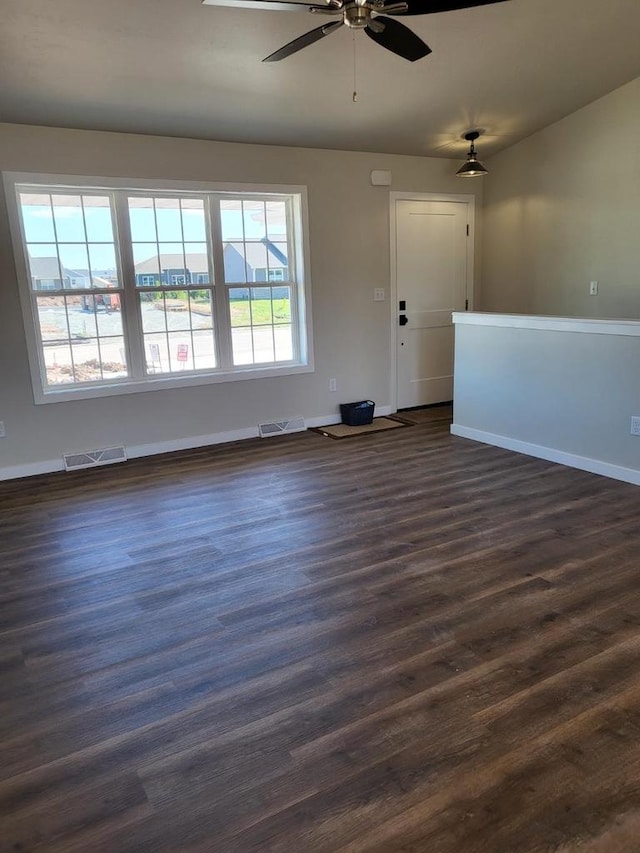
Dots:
pixel 355 84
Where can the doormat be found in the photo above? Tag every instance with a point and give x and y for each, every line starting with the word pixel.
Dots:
pixel 346 431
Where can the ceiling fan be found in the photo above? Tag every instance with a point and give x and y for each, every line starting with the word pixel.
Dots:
pixel 367 15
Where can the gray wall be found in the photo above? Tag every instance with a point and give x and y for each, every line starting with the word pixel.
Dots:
pixel 563 395
pixel 349 236
pixel 562 208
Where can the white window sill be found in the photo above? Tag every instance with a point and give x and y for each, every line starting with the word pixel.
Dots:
pixel 161 383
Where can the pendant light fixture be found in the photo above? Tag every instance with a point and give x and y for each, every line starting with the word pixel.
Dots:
pixel 473 168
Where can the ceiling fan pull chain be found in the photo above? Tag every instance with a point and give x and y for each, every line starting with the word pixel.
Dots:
pixel 355 85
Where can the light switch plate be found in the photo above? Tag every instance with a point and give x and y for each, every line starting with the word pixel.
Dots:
pixel 378 294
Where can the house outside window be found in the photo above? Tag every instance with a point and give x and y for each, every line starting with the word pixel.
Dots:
pixel 273 274
pixel 175 301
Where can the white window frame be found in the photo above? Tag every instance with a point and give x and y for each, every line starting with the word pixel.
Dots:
pixel 303 361
pixel 147 280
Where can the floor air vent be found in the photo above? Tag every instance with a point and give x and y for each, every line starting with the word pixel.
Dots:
pixel 93 458
pixel 280 427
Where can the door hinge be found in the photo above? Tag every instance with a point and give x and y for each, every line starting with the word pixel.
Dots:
pixel 467 230
pixel 466 304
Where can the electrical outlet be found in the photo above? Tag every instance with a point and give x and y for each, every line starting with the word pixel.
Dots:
pixel 333 385
pixel 378 294
pixel 2 430
pixel 635 425
pixel 593 288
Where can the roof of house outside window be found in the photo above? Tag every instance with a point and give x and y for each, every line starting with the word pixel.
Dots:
pixel 197 262
pixel 46 268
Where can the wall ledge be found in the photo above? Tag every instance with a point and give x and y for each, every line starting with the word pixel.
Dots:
pixel 571 460
pixel 582 325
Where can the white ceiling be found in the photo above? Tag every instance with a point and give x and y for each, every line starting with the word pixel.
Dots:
pixel 179 68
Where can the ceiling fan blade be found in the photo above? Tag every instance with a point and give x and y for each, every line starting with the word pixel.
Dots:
pixel 304 41
pixel 270 5
pixel 429 7
pixel 398 39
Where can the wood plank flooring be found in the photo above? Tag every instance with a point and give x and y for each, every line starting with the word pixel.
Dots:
pixel 402 642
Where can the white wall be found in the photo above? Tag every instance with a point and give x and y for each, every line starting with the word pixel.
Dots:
pixel 562 390
pixel 349 236
pixel 562 208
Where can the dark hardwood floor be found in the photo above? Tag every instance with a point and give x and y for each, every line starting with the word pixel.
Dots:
pixel 401 642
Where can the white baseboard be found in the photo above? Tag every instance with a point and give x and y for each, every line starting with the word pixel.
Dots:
pixel 190 442
pixel 31 469
pixel 584 463
pixel 48 466
pixel 383 411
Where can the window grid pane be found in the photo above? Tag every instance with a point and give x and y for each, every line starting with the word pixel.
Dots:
pixel 162 254
pixel 73 346
pixel 58 252
pixel 261 324
pixel 252 250
pixel 256 249
pixel 81 338
pixel 169 319
pixel 174 269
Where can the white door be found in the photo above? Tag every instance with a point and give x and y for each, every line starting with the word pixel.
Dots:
pixel 431 276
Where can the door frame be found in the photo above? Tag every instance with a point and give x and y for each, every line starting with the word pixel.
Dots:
pixel 461 198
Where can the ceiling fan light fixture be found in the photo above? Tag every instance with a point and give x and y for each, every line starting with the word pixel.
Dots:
pixel 473 168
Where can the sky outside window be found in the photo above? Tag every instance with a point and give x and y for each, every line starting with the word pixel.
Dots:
pixel 256 222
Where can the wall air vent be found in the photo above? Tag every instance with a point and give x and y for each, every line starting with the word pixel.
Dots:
pixel 94 458
pixel 279 427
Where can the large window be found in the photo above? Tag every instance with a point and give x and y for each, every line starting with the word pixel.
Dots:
pixel 127 288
